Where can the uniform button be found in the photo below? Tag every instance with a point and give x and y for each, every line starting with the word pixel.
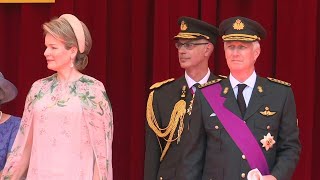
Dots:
pixel 161 178
pixel 268 127
pixel 216 127
pixel 243 156
pixel 243 175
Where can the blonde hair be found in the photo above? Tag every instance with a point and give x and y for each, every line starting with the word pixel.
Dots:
pixel 62 30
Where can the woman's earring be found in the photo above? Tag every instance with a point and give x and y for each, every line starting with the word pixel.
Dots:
pixel 71 65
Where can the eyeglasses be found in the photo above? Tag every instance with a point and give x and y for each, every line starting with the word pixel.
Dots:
pixel 188 45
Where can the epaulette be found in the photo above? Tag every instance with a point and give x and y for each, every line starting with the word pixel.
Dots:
pixel 279 81
pixel 159 84
pixel 222 76
pixel 209 83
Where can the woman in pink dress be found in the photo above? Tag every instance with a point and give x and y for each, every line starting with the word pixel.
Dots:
pixel 66 130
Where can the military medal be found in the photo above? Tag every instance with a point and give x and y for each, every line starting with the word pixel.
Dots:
pixel 267 141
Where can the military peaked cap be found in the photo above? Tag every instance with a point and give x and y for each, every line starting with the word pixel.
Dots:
pixel 241 29
pixel 191 28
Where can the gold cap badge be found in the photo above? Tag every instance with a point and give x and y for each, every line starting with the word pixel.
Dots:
pixel 238 25
pixel 183 26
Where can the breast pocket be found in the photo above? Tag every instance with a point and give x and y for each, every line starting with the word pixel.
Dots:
pixel 266 124
pixel 263 126
pixel 214 130
pixel 167 174
pixel 213 174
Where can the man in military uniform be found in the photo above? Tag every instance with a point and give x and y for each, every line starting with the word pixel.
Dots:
pixel 250 122
pixel 170 104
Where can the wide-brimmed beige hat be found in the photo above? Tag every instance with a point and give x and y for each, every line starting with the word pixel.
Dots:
pixel 8 91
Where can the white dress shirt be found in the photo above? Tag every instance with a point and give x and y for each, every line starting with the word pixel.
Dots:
pixel 191 82
pixel 250 82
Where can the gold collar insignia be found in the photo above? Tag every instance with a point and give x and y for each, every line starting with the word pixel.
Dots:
pixel 183 91
pixel 225 91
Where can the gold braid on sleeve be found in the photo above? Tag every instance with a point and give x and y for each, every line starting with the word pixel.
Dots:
pixel 177 116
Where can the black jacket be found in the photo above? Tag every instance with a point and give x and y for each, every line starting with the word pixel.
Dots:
pixel 223 159
pixel 164 100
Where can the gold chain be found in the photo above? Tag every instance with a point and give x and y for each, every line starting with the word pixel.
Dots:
pixel 177 116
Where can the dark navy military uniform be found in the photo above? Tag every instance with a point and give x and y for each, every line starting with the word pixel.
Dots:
pixel 271 109
pixel 224 160
pixel 164 162
pixel 164 100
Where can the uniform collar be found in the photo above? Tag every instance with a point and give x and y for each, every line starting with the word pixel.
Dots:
pixel 249 82
pixel 191 82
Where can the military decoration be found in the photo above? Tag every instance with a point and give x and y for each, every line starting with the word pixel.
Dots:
pixel 260 89
pixel 238 25
pixel 267 141
pixel 279 81
pixel 225 90
pixel 183 91
pixel 159 84
pixel 189 110
pixel 267 112
pixel 183 26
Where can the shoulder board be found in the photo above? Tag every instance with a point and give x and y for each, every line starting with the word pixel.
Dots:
pixel 209 83
pixel 222 76
pixel 279 81
pixel 159 84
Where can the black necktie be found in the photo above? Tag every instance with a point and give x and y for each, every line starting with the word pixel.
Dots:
pixel 196 87
pixel 240 99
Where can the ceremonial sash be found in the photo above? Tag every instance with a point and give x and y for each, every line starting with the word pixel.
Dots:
pixel 237 129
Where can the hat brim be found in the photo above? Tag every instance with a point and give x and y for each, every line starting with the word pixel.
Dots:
pixel 10 91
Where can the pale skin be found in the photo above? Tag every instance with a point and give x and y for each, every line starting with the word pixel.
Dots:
pixel 241 57
pixel 195 61
pixel 58 59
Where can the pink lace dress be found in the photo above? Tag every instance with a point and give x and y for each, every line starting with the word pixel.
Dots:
pixel 72 130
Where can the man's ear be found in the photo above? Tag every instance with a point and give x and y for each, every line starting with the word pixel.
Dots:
pixel 209 49
pixel 257 53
